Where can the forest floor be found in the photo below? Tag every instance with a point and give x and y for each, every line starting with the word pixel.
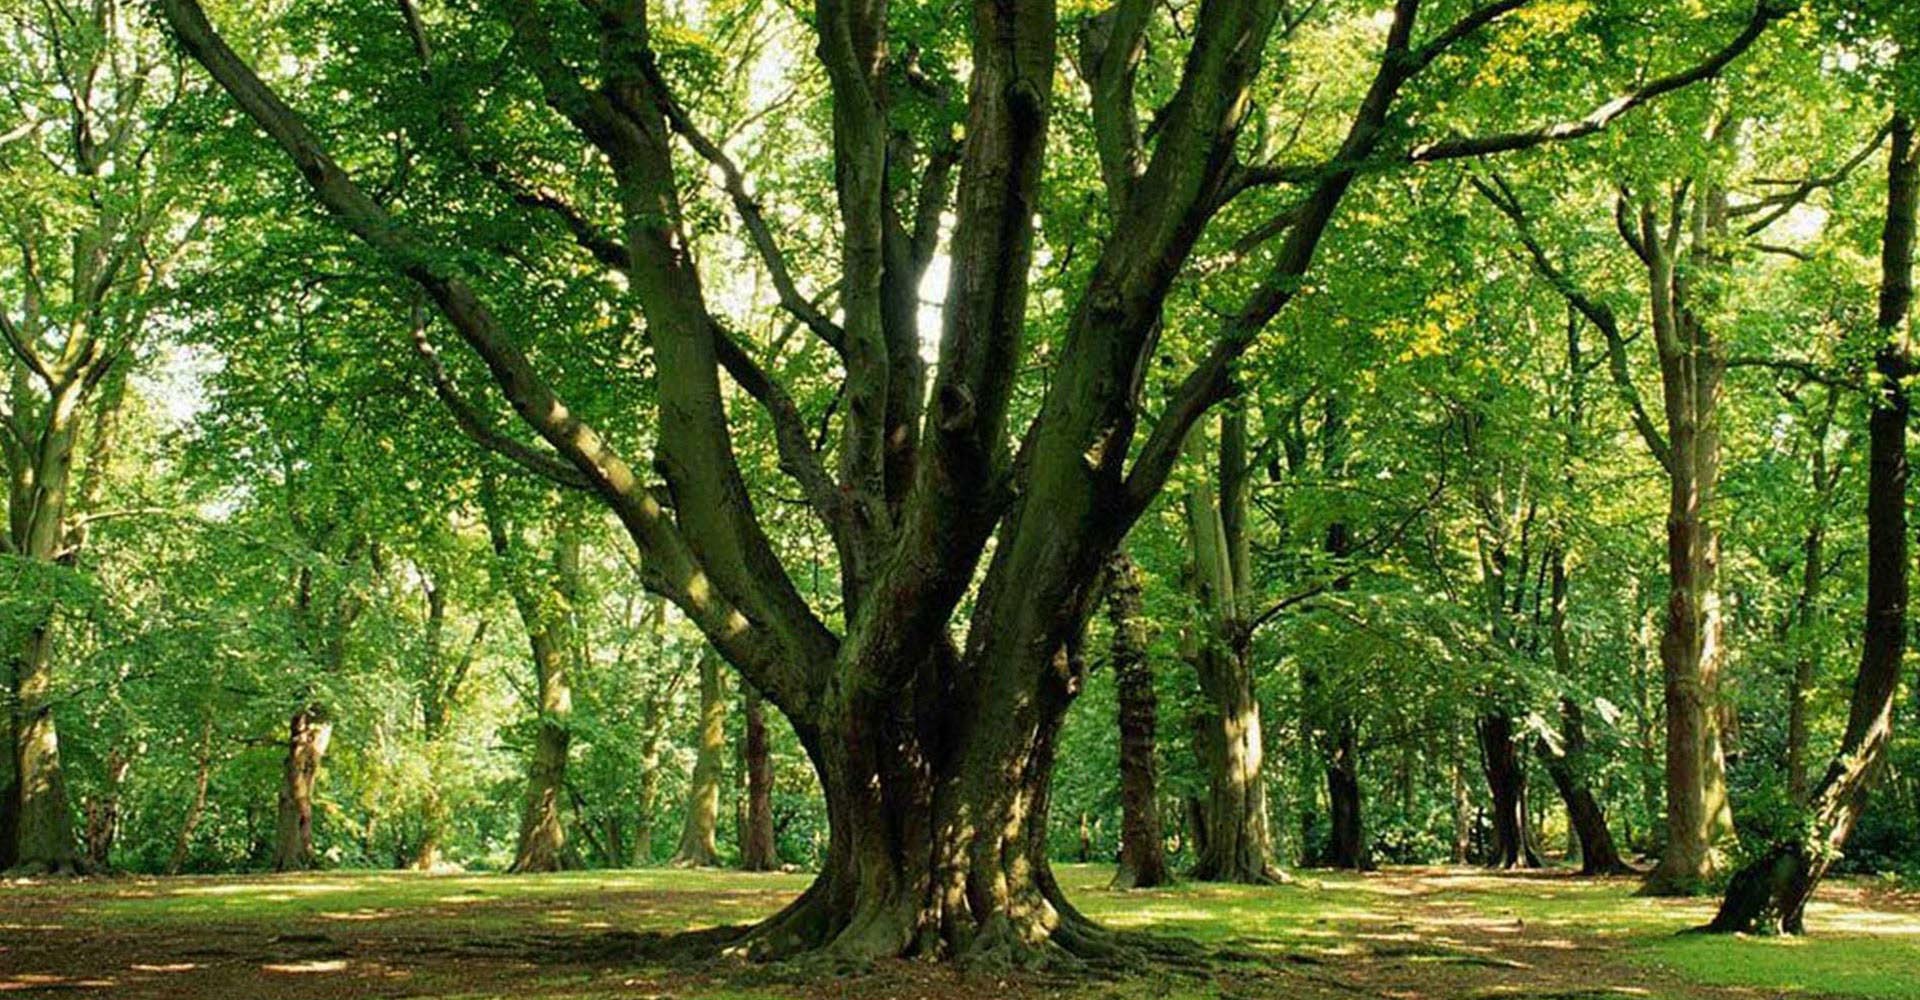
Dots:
pixel 1403 934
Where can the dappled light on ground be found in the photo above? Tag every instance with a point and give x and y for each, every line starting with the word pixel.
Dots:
pixel 1406 934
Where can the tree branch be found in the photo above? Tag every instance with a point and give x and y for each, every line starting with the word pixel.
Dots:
pixel 1765 12
pixel 1598 313
pixel 467 417
pixel 734 183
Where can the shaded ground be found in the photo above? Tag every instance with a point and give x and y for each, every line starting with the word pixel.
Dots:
pixel 1405 934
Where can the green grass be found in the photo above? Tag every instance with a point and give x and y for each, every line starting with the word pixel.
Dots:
pixel 1426 933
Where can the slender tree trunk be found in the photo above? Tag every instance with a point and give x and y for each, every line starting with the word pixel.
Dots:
pixel 1462 815
pixel 697 831
pixel 308 733
pixel 196 806
pixel 1507 780
pixel 1143 853
pixel 757 850
pixel 1566 766
pixel 1806 605
pixel 1770 895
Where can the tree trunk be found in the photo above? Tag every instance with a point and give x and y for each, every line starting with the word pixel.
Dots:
pixel 757 850
pixel 9 781
pixel 1507 780
pixel 543 837
pixel 1462 815
pixel 1566 766
pixel 308 733
pixel 196 806
pixel 940 854
pixel 1347 847
pixel 697 840
pixel 1567 763
pixel 1770 895
pixel 1699 813
pixel 1239 841
pixel 103 813
pixel 1143 852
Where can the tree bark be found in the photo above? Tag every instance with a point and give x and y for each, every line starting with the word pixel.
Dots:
pixel 1692 362
pixel 757 849
pixel 1567 763
pixel 1566 766
pixel 1239 840
pixel 103 813
pixel 1507 781
pixel 1143 852
pixel 1770 895
pixel 308 733
pixel 550 637
pixel 543 837
pixel 1347 846
pixel 698 848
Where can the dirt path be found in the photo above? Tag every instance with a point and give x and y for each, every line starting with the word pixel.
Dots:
pixel 1405 935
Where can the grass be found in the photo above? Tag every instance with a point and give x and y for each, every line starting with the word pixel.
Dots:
pixel 1407 933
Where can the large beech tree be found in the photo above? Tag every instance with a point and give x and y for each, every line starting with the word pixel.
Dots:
pixel 970 531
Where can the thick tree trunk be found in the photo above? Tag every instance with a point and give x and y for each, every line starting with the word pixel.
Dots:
pixel 1507 781
pixel 940 854
pixel 1699 813
pixel 757 850
pixel 698 848
pixel 1143 853
pixel 1239 841
pixel 543 836
pixel 308 733
pixel 1770 895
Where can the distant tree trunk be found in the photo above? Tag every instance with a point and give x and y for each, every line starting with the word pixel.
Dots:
pixel 1143 852
pixel 103 812
pixel 1806 605
pixel 1239 841
pixel 1339 736
pixel 1347 847
pixel 757 850
pixel 1462 815
pixel 196 806
pixel 1770 895
pixel 543 835
pixel 308 733
pixel 1567 763
pixel 697 847
pixel 9 782
pixel 1507 780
